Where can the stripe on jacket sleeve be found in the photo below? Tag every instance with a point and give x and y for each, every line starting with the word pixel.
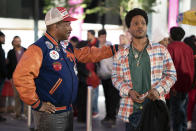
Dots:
pixel 37 105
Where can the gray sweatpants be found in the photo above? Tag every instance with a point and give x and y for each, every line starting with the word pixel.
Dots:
pixel 53 122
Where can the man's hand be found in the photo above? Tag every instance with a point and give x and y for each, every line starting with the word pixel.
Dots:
pixel 120 47
pixel 135 96
pixel 153 94
pixel 47 107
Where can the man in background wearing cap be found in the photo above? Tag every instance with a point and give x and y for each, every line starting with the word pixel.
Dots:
pixel 2 66
pixel 46 77
pixel 142 69
pixel 183 58
pixel 161 37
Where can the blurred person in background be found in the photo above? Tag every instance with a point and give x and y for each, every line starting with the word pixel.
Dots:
pixel 104 71
pixel 159 36
pixel 123 39
pixel 182 56
pixel 93 79
pixel 165 41
pixel 74 41
pixel 190 41
pixel 3 69
pixel 139 75
pixel 46 76
pixel 83 74
pixel 13 57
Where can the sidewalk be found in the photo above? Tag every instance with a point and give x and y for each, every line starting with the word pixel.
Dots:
pixel 21 125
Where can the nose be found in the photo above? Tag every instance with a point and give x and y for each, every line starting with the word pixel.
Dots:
pixel 70 28
pixel 140 25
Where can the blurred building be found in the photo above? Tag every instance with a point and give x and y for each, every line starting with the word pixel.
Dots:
pixel 17 18
pixel 166 15
pixel 22 9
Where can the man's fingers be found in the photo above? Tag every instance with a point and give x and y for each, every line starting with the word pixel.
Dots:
pixel 51 107
pixel 137 94
pixel 48 107
pixel 152 96
pixel 155 94
pixel 48 112
pixel 139 100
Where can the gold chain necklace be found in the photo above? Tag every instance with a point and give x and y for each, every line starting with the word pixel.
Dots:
pixel 136 55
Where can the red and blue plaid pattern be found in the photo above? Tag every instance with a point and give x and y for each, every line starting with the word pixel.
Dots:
pixel 163 75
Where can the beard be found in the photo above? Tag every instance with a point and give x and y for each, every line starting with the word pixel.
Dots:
pixel 1 42
pixel 17 46
pixel 139 36
pixel 63 37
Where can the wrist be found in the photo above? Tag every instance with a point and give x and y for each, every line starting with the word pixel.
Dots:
pixel 37 105
pixel 157 91
pixel 129 94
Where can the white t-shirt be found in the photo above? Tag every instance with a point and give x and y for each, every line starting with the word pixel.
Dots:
pixel 104 71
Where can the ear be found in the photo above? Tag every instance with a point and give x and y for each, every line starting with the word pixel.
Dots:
pixel 55 26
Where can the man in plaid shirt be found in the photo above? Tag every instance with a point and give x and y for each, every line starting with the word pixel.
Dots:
pixel 141 69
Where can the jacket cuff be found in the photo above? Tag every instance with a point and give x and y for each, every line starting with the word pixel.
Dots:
pixel 160 90
pixel 114 48
pixel 37 105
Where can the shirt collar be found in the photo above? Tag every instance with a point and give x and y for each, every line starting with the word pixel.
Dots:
pixel 126 46
pixel 51 38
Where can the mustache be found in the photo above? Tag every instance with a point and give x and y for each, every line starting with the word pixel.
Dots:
pixel 68 33
pixel 140 30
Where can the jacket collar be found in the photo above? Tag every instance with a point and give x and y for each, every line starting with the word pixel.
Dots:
pixel 51 38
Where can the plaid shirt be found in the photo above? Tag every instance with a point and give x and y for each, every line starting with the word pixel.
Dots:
pixel 163 75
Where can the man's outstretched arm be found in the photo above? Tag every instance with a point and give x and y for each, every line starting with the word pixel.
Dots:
pixel 94 54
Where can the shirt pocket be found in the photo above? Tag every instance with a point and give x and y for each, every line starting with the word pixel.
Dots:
pixel 158 69
pixel 55 87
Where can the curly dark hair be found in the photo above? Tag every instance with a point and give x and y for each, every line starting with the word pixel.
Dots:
pixel 135 12
pixel 102 32
pixel 177 33
pixel 74 39
pixel 92 32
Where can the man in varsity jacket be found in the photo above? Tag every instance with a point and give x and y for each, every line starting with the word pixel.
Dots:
pixel 46 76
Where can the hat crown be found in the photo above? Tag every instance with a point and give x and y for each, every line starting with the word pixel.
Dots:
pixel 55 15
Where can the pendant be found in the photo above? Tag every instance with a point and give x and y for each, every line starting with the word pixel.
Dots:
pixel 137 64
pixel 136 56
